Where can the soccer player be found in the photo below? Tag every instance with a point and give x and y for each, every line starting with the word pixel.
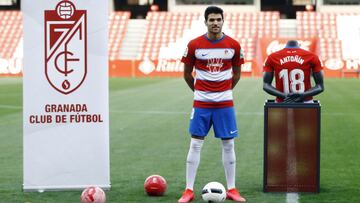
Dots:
pixel 217 59
pixel 293 67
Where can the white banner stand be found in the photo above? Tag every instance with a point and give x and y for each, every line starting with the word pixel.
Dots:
pixel 65 92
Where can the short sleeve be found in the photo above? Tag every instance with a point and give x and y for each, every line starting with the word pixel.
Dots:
pixel 267 65
pixel 189 54
pixel 316 64
pixel 238 58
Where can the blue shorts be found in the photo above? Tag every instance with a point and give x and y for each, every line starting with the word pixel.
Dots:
pixel 223 121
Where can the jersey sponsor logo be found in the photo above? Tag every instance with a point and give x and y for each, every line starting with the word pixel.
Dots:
pixel 224 53
pixel 65 47
pixel 214 65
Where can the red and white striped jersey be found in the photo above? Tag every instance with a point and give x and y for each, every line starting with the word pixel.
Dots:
pixel 213 61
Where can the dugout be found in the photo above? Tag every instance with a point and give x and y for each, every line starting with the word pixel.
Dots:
pixel 291 147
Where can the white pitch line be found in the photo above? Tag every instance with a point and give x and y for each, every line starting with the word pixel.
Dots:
pixel 152 112
pixel 10 107
pixel 292 197
pixel 142 112
pixel 291 172
pixel 2 106
pixel 177 112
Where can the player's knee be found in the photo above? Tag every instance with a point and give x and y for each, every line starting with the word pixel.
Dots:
pixel 196 147
pixel 228 146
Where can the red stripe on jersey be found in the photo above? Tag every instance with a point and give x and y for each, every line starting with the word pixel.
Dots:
pixel 211 86
pixel 223 104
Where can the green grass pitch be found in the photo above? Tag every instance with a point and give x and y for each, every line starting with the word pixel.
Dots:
pixel 148 135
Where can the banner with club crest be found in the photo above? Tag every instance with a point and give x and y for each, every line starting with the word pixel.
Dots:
pixel 65 95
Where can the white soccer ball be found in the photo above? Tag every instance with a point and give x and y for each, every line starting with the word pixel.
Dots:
pixel 93 194
pixel 213 192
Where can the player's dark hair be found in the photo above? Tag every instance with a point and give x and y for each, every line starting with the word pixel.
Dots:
pixel 215 10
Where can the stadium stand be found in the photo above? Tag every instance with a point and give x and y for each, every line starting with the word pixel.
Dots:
pixel 259 24
pixel 117 27
pixel 330 48
pixel 311 24
pixel 174 23
pixel 180 26
pixel 323 26
pixel 245 27
pixel 11 32
pixel 167 33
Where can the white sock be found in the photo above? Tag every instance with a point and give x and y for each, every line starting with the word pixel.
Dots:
pixel 192 162
pixel 229 162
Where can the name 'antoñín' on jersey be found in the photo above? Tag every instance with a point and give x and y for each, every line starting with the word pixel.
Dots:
pixel 213 61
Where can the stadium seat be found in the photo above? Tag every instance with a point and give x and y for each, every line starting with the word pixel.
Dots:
pixel 311 24
pixel 117 28
pixel 324 27
pixel 11 32
pixel 330 48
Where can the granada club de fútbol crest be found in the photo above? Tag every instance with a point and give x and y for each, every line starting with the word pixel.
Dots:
pixel 65 47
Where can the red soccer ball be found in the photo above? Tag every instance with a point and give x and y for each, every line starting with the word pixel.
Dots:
pixel 93 194
pixel 155 185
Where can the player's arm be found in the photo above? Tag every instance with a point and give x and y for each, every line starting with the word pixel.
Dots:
pixel 188 76
pixel 317 89
pixel 237 63
pixel 267 87
pixel 236 75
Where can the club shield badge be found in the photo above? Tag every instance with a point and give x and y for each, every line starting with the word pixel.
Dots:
pixel 65 47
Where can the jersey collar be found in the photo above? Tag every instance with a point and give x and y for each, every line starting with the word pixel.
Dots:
pixel 292 47
pixel 216 40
